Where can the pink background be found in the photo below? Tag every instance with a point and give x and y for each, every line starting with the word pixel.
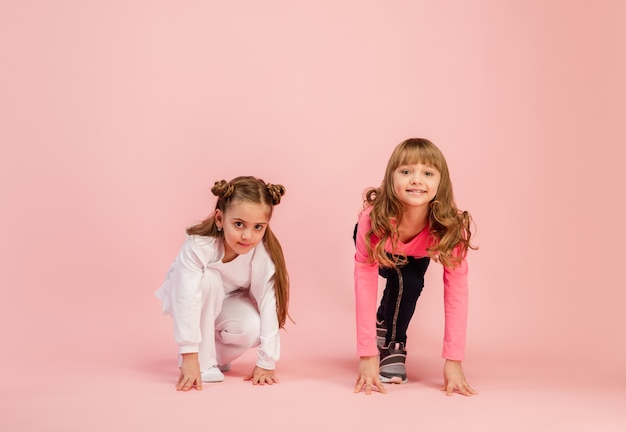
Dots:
pixel 116 117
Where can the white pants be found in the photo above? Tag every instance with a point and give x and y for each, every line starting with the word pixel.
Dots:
pixel 230 326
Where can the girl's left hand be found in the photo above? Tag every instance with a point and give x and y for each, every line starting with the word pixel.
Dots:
pixel 262 376
pixel 454 379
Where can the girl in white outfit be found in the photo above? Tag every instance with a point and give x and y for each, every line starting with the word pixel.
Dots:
pixel 228 289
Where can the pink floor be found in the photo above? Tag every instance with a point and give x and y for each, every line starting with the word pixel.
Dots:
pixel 124 381
pixel 141 398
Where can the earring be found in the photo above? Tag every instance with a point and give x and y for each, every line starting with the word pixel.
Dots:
pixel 219 229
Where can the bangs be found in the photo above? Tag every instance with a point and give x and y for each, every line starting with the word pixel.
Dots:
pixel 426 155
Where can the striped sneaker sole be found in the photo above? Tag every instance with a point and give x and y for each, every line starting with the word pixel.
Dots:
pixel 392 360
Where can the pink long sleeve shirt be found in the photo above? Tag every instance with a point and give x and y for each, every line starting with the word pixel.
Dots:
pixel 366 290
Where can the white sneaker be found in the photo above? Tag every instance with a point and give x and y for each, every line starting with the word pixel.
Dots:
pixel 212 375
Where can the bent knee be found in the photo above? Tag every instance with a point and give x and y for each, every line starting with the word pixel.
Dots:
pixel 244 333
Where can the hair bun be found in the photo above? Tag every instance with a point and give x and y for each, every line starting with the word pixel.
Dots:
pixel 222 189
pixel 276 191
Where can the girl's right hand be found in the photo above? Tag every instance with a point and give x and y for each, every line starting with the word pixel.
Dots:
pixel 369 376
pixel 189 373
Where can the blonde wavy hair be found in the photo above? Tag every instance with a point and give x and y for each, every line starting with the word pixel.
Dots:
pixel 252 189
pixel 449 227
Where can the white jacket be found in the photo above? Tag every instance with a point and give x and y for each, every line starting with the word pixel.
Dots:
pixel 193 268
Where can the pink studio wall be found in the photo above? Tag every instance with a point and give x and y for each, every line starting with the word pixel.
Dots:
pixel 117 117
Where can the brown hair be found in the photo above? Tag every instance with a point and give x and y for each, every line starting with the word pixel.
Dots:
pixel 251 189
pixel 449 226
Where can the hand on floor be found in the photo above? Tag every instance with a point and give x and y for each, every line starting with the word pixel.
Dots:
pixel 454 379
pixel 262 376
pixel 369 377
pixel 189 373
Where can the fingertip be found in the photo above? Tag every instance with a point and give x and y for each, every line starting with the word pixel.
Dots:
pixel 358 386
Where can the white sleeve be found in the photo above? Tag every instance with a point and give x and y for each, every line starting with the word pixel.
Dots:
pixel 186 299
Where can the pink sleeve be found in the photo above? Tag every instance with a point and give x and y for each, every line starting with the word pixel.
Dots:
pixel 366 292
pixel 455 299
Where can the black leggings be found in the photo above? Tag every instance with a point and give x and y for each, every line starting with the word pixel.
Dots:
pixel 403 288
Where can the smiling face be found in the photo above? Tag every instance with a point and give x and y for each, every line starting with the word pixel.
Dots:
pixel 416 184
pixel 244 224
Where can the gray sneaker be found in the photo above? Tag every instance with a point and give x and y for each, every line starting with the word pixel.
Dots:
pixel 381 332
pixel 392 359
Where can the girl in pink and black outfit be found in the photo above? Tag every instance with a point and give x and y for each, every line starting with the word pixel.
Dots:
pixel 411 219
